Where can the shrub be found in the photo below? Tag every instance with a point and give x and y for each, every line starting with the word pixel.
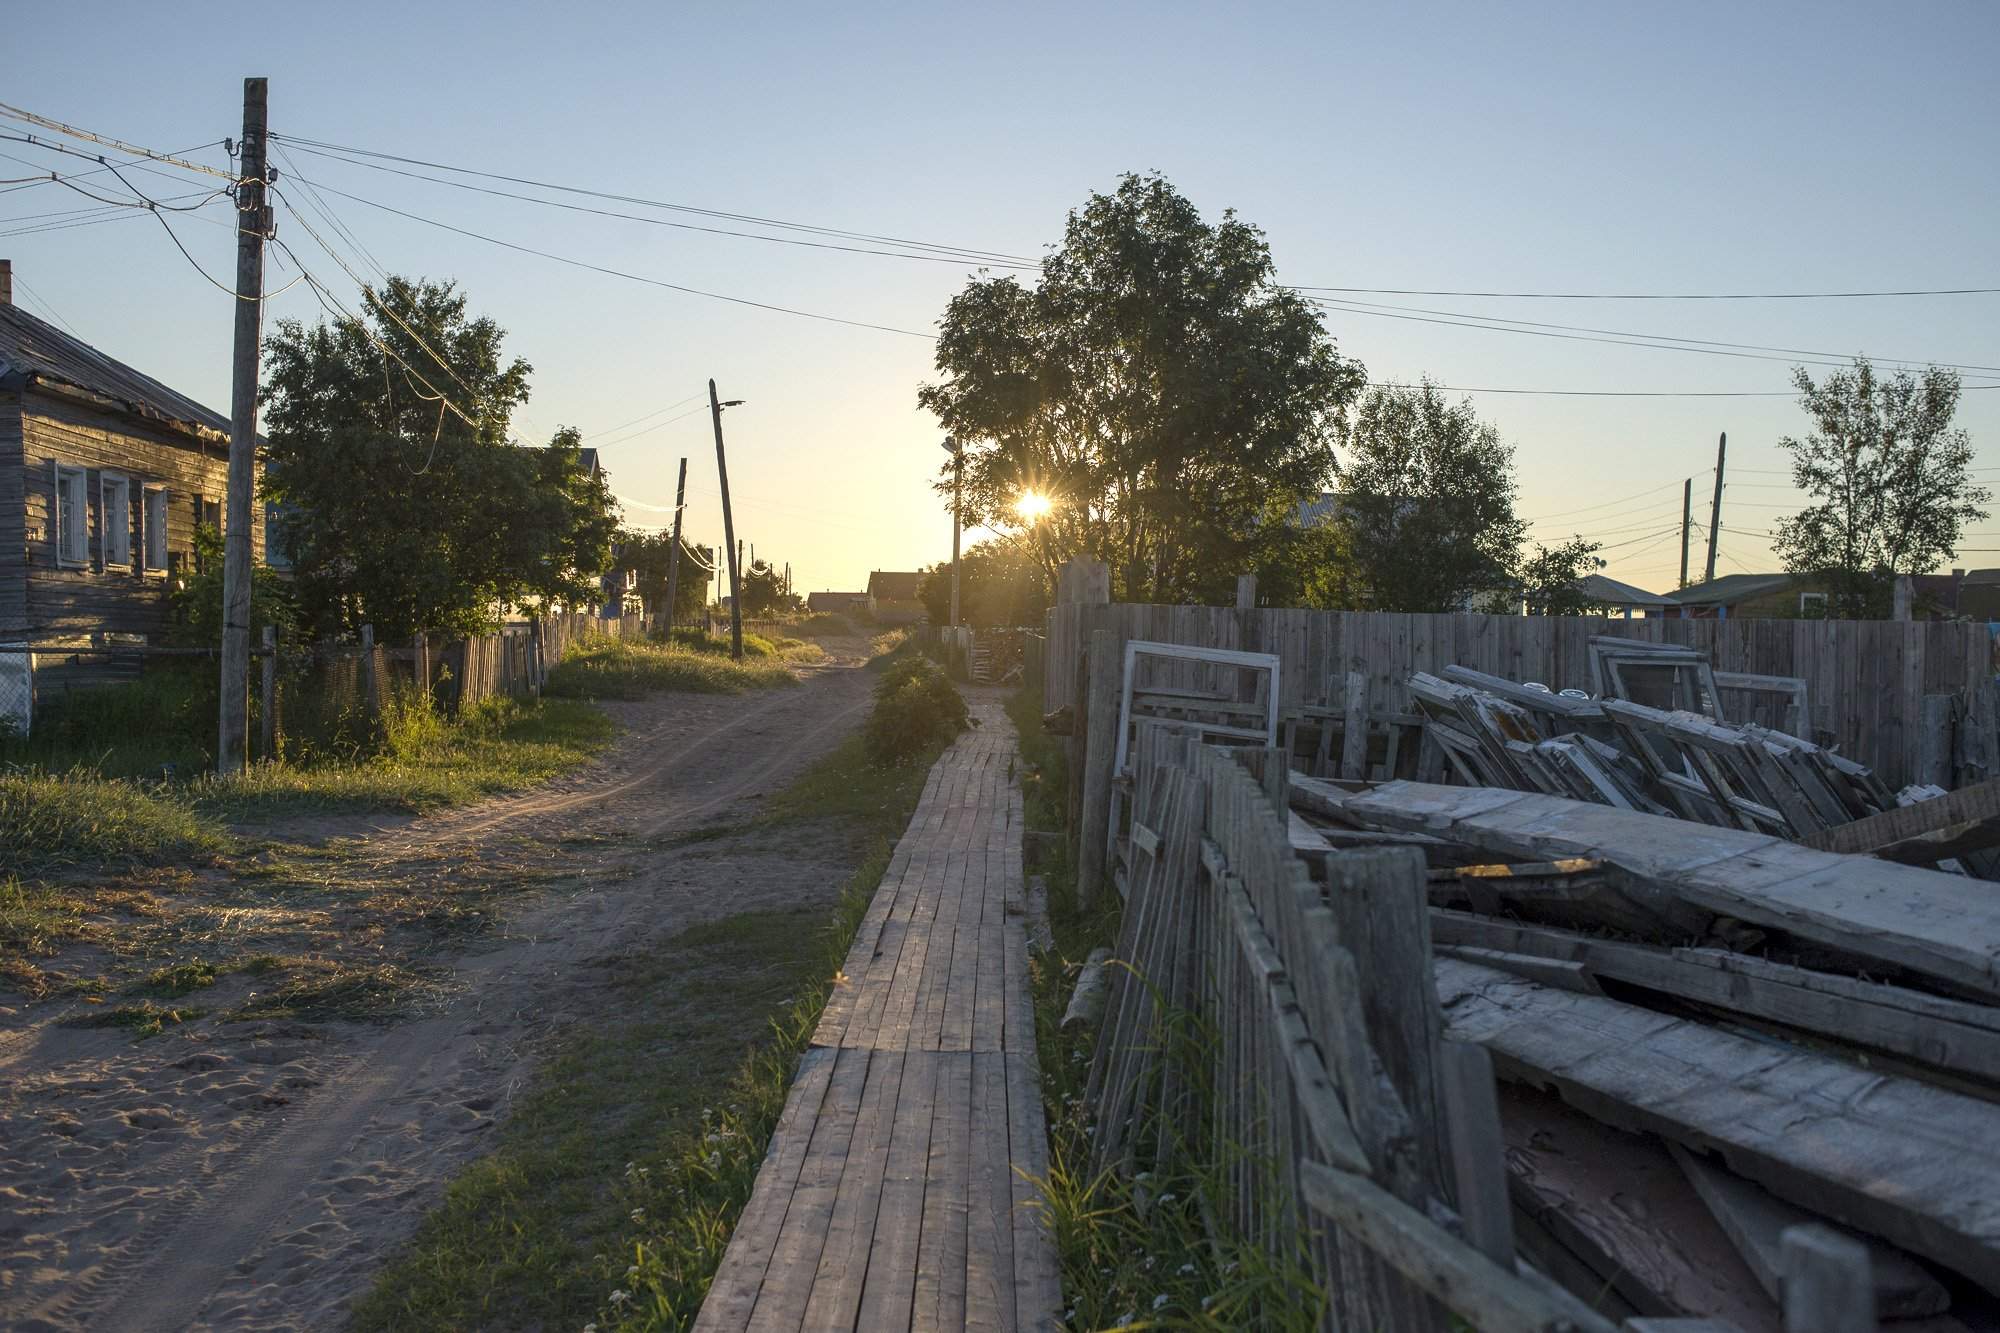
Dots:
pixel 916 709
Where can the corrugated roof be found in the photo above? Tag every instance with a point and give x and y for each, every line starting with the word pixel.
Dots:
pixel 1730 589
pixel 29 347
pixel 1614 593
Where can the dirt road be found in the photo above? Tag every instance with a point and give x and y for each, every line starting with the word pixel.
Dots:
pixel 246 1175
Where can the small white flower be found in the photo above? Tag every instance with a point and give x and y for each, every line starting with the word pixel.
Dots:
pixel 632 1273
pixel 620 1297
pixel 1160 1301
pixel 1186 1269
pixel 590 1328
pixel 638 1214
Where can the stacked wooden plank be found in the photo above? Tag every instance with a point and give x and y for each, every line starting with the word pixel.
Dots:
pixel 1717 1038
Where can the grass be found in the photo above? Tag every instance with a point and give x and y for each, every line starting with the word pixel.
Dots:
pixel 1141 1252
pixel 163 720
pixel 323 990
pixel 628 669
pixel 624 1166
pixel 36 920
pixel 49 820
pixel 145 1018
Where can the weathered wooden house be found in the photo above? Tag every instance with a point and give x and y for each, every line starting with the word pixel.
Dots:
pixel 104 475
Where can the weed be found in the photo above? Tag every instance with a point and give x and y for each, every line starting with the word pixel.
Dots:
pixel 145 1018
pixel 323 990
pixel 607 668
pixel 917 710
pixel 49 819
pixel 35 919
pixel 180 979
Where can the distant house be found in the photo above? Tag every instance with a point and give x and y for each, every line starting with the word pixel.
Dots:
pixel 835 602
pixel 1622 599
pixel 896 596
pixel 104 475
pixel 1757 596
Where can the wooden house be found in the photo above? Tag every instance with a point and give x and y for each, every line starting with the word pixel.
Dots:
pixel 104 475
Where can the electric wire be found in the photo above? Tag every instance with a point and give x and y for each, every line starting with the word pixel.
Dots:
pixel 1660 296
pixel 71 131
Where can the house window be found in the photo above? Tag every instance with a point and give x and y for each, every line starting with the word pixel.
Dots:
pixel 114 504
pixel 1812 606
pixel 154 524
pixel 72 532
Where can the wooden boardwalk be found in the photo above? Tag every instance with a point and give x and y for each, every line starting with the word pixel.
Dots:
pixel 890 1197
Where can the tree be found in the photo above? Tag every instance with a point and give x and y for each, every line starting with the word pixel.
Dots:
pixel 1890 479
pixel 1157 388
pixel 1550 579
pixel 648 554
pixel 1425 516
pixel 764 591
pixel 402 512
pixel 999 584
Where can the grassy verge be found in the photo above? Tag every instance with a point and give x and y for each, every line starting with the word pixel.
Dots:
pixel 1137 1253
pixel 629 669
pixel 612 1189
pixel 50 820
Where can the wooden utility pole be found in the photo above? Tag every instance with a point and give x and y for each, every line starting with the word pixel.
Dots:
pixel 253 224
pixel 674 553
pixel 1715 510
pixel 1687 527
pixel 728 527
pixel 953 448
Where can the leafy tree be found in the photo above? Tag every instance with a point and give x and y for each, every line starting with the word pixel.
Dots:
pixel 1425 518
pixel 1157 387
pixel 404 513
pixel 196 598
pixel 1549 578
pixel 999 584
pixel 648 554
pixel 764 591
pixel 1890 479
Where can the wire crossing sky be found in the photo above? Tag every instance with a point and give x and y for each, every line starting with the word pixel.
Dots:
pixel 1616 228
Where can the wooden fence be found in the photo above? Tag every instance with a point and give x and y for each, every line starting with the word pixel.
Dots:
pixel 1279 1031
pixel 1866 681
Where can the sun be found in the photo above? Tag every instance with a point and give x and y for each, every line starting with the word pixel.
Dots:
pixel 1031 505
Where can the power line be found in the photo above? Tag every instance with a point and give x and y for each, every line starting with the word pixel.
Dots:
pixel 115 145
pixel 940 258
pixel 630 277
pixel 1500 324
pixel 1607 504
pixel 811 228
pixel 1658 296
pixel 613 430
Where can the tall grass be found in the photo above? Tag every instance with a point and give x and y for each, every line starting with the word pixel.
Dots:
pixel 608 668
pixel 163 721
pixel 49 820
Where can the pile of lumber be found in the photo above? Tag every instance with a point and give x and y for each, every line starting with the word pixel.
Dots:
pixel 1710 1035
pixel 1684 760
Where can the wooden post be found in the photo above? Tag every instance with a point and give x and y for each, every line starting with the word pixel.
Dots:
pixel 1099 751
pixel 1903 594
pixel 253 224
pixel 674 552
pixel 728 531
pixel 420 654
pixel 370 687
pixel 1478 1154
pixel 1246 592
pixel 1354 737
pixel 1715 510
pixel 267 720
pixel 1934 740
pixel 1828 1286
pixel 1687 527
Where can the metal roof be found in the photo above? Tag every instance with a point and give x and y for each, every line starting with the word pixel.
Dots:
pixel 1614 593
pixel 1730 589
pixel 32 349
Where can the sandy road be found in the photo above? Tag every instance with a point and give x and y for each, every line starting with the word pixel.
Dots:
pixel 254 1176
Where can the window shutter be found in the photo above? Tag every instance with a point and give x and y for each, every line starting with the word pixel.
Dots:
pixel 55 512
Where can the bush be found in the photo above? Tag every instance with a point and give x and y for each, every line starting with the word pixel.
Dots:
pixel 916 709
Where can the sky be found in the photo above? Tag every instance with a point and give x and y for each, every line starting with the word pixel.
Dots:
pixel 1568 148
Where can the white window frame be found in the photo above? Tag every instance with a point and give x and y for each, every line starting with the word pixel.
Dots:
pixel 65 515
pixel 115 536
pixel 1818 597
pixel 151 532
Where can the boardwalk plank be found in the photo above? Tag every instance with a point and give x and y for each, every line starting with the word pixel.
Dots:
pixel 941 1246
pixel 781 1301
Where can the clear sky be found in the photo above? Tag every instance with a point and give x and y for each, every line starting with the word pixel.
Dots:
pixel 1523 148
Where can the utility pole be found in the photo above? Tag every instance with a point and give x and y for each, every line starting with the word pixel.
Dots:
pixel 951 447
pixel 1687 527
pixel 674 553
pixel 1715 511
pixel 253 224
pixel 728 527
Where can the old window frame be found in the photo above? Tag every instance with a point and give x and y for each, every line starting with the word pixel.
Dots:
pixel 115 529
pixel 153 549
pixel 71 518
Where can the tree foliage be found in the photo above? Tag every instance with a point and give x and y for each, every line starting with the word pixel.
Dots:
pixel 648 554
pixel 401 513
pixel 764 591
pixel 999 584
pixel 1157 386
pixel 1549 579
pixel 1425 515
pixel 1890 481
